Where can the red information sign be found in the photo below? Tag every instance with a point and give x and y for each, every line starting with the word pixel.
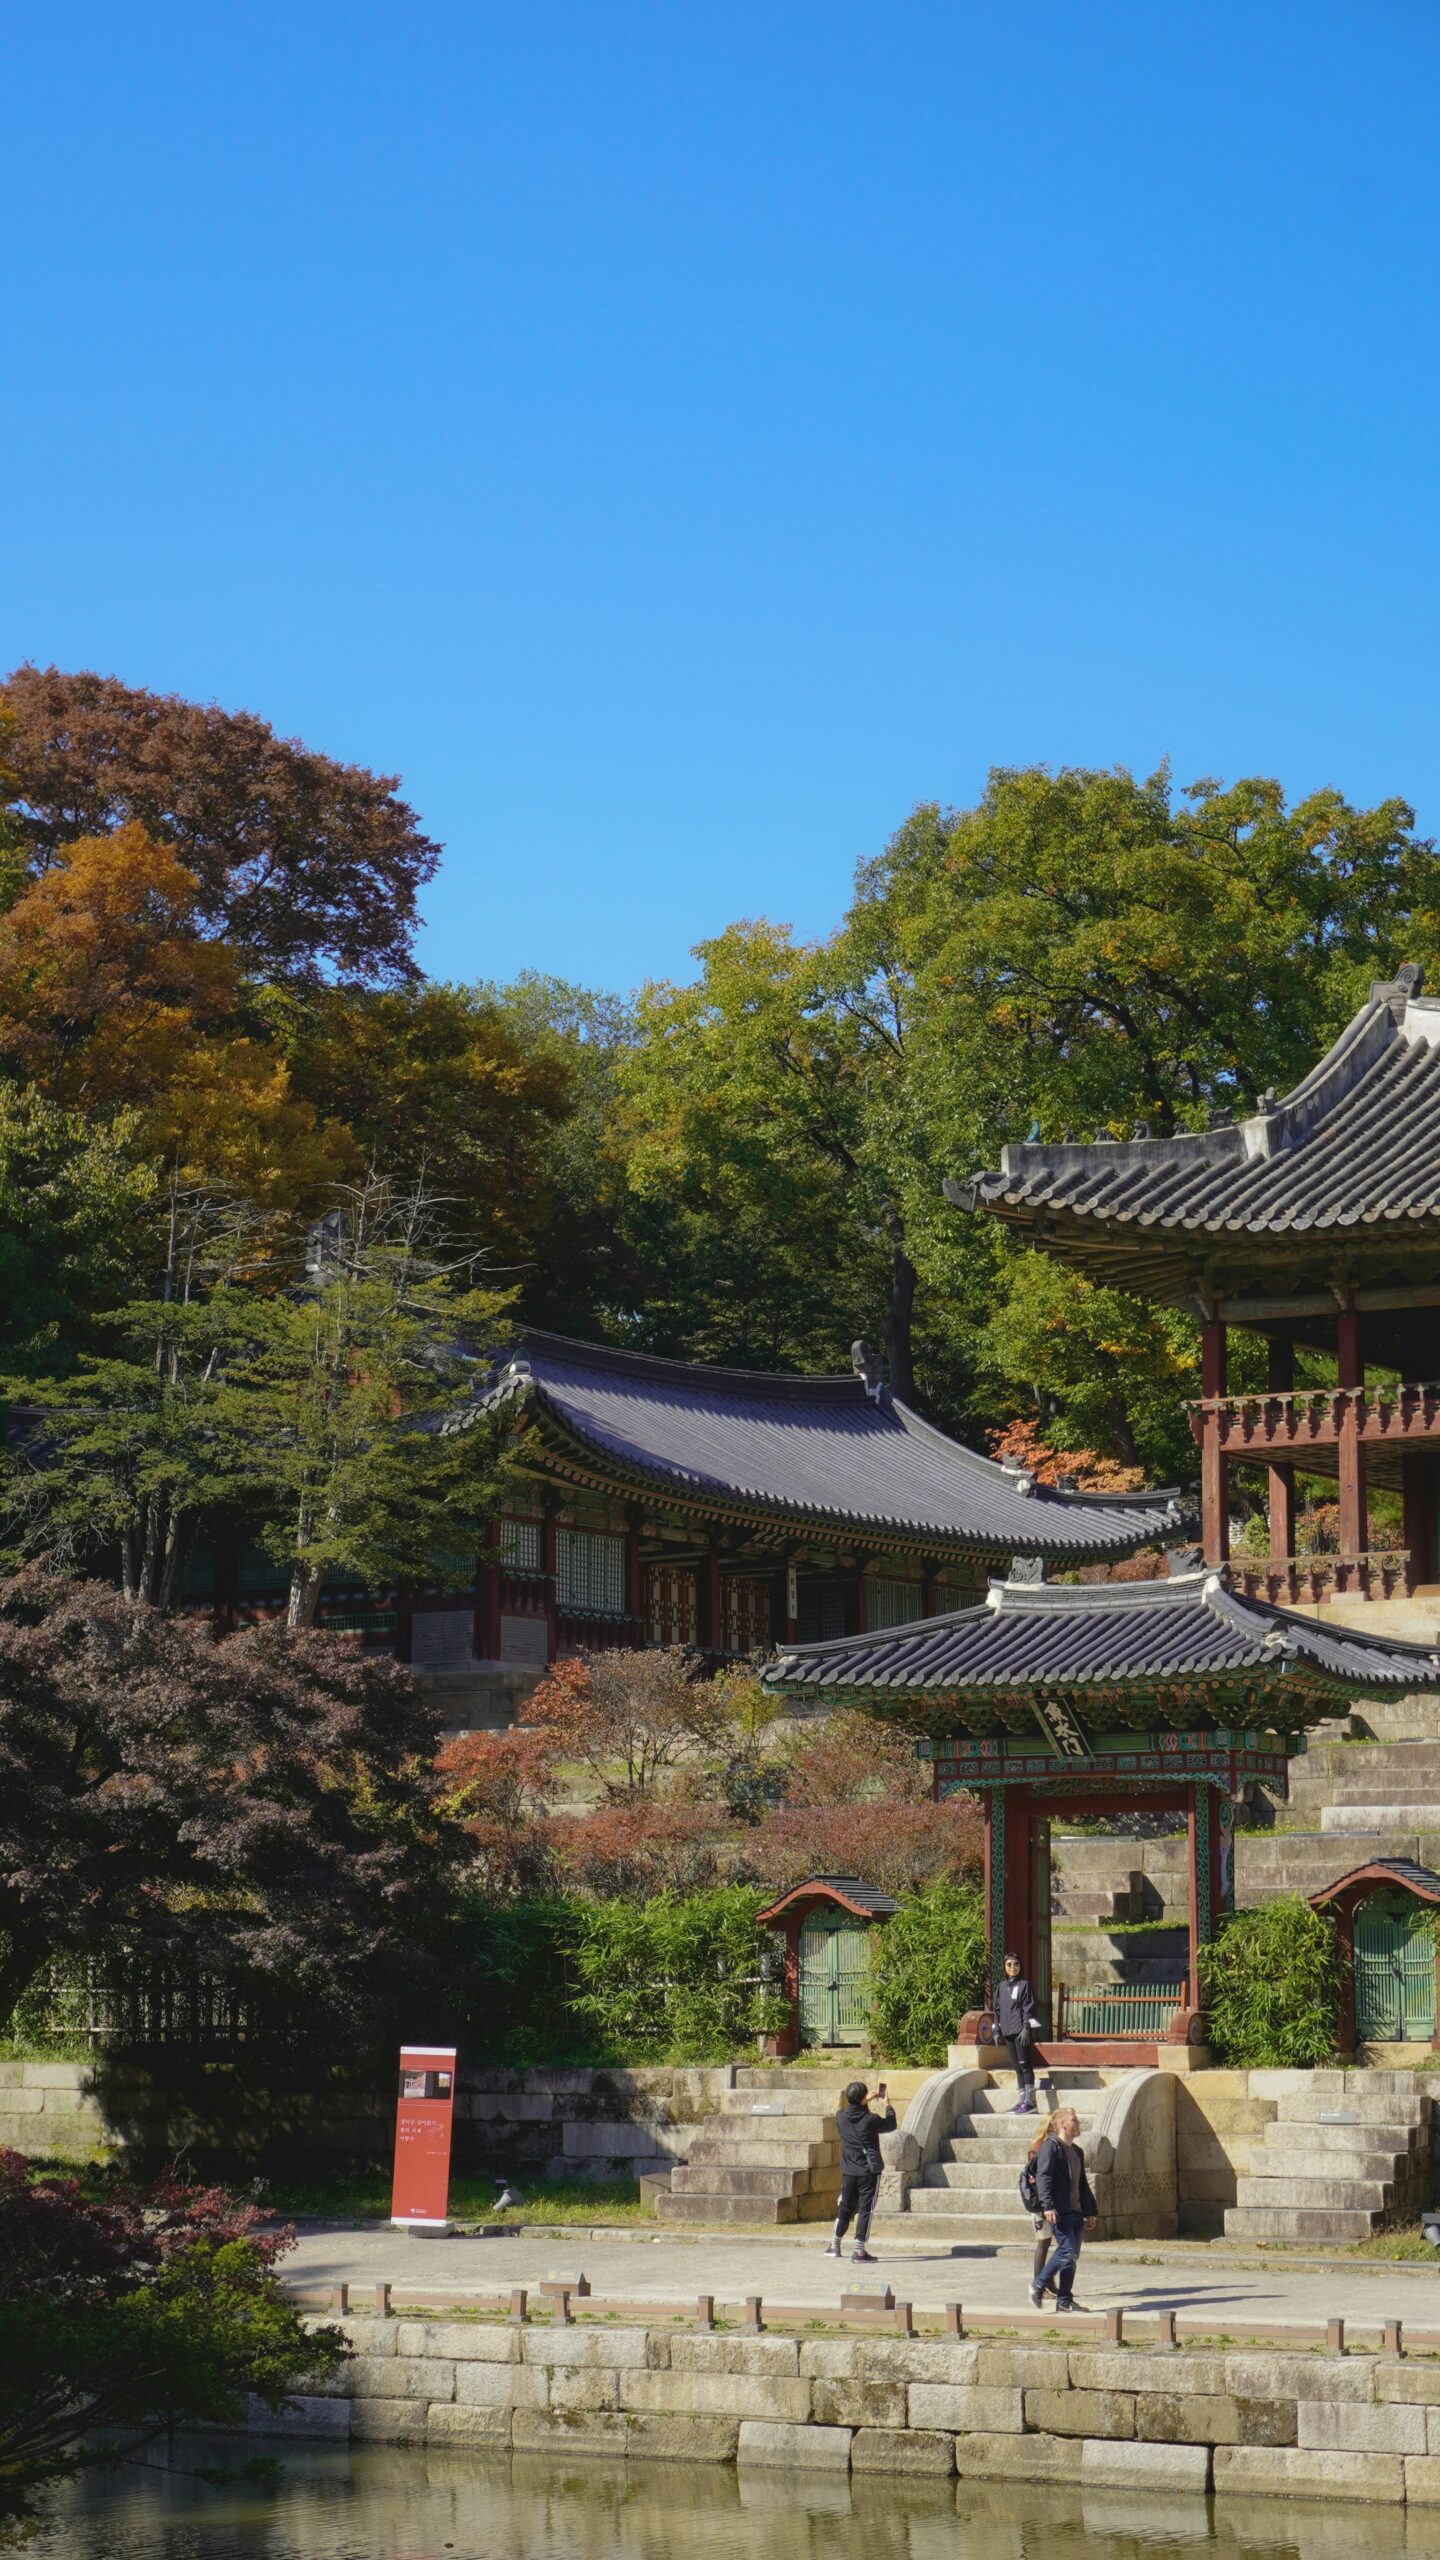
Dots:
pixel 420 2197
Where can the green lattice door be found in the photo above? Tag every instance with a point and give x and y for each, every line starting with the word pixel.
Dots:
pixel 1394 1971
pixel 834 1981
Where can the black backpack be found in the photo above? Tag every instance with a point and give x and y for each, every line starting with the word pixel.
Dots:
pixel 1029 2184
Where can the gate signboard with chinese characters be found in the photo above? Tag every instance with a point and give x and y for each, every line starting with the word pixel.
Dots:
pixel 420 2196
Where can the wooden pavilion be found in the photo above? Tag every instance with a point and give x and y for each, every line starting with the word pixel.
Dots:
pixel 1313 1222
pixel 670 1503
pixel 1057 1702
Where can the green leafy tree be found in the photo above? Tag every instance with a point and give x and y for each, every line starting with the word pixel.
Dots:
pixel 1271 1987
pixel 927 1967
pixel 340 1387
pixel 77 1223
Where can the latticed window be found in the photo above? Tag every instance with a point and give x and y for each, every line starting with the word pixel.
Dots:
pixel 671 1604
pixel 746 1610
pixel 891 1603
pixel 520 1546
pixel 257 1573
pixel 956 1595
pixel 590 1571
pixel 824 1611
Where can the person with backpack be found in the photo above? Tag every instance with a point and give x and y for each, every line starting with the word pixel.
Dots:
pixel 1030 2196
pixel 1017 2023
pixel 860 2166
pixel 1068 2203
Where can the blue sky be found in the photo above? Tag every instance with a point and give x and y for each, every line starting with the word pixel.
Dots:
pixel 677 439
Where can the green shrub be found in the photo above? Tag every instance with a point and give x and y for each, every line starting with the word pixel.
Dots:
pixel 927 1969
pixel 1271 1987
pixel 674 1979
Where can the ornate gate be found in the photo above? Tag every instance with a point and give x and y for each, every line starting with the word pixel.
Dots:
pixel 1394 1970
pixel 834 1981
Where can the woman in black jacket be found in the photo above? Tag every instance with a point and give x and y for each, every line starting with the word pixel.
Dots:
pixel 1017 2023
pixel 860 2166
pixel 1068 2204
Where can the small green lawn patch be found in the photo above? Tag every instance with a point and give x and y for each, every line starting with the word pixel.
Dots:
pixel 364 2196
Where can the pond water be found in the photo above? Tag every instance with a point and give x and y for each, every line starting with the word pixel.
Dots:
pixel 389 2503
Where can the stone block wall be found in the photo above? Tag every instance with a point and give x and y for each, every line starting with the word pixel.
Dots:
pixel 1362 2428
pixel 1220 2120
pixel 601 2125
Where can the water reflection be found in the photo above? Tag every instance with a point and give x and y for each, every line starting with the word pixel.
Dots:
pixel 387 2503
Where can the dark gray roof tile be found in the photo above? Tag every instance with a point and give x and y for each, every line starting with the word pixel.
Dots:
pixel 1046 1636
pixel 807 1450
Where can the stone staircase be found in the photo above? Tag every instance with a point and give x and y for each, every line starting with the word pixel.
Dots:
pixel 769 2156
pixel 1367 1789
pixel 1346 2152
pixel 969 2194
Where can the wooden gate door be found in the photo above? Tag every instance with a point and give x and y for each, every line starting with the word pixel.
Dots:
pixel 1394 1971
pixel 834 1981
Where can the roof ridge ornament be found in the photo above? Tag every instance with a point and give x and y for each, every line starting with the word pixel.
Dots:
pixel 869 1368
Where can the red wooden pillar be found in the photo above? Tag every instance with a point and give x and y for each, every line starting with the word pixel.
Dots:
pixel 1280 1378
pixel 1417 1493
pixel 1192 1988
pixel 1354 1520
pixel 1214 1466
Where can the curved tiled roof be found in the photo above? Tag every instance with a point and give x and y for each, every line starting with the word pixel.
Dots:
pixel 1355 1147
pixel 808 1451
pixel 1047 1636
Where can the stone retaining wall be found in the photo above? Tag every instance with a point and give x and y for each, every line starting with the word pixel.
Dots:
pixel 1294 2425
pixel 553 2123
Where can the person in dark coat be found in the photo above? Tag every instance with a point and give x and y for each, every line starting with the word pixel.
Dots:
pixel 1017 2023
pixel 859 2130
pixel 1068 2204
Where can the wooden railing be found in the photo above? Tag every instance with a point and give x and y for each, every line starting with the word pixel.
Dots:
pixel 1379 1574
pixel 1311 1417
pixel 1117 2009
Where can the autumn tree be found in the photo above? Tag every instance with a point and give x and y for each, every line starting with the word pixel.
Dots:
pixel 629 1718
pixel 441 1086
pixel 309 866
pixel 131 2314
pixel 111 999
pixel 260 1810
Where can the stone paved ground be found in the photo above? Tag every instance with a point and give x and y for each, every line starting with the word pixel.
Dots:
pixel 636 2267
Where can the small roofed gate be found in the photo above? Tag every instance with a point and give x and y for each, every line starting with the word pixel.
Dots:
pixel 834 1980
pixel 1394 1970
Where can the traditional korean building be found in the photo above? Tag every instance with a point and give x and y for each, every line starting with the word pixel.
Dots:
pixel 665 1502
pixel 1313 1223
pixel 1054 1702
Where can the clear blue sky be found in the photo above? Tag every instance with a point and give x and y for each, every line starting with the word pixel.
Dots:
pixel 677 439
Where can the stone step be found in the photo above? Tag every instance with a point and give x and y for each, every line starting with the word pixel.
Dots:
pixel 759 2210
pixel 985 2196
pixel 768 2106
pixel 1384 2111
pixel 1365 2195
pixel 1352 1818
pixel 1297 2222
pixel 1007 2132
pixel 790 2075
pixel 946 2228
pixel 709 2148
pixel 1337 2146
pixel 709 2179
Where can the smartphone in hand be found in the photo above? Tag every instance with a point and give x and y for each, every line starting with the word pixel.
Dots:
pixel 880 2089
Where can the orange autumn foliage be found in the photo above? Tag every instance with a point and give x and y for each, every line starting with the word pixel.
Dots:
pixel 110 997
